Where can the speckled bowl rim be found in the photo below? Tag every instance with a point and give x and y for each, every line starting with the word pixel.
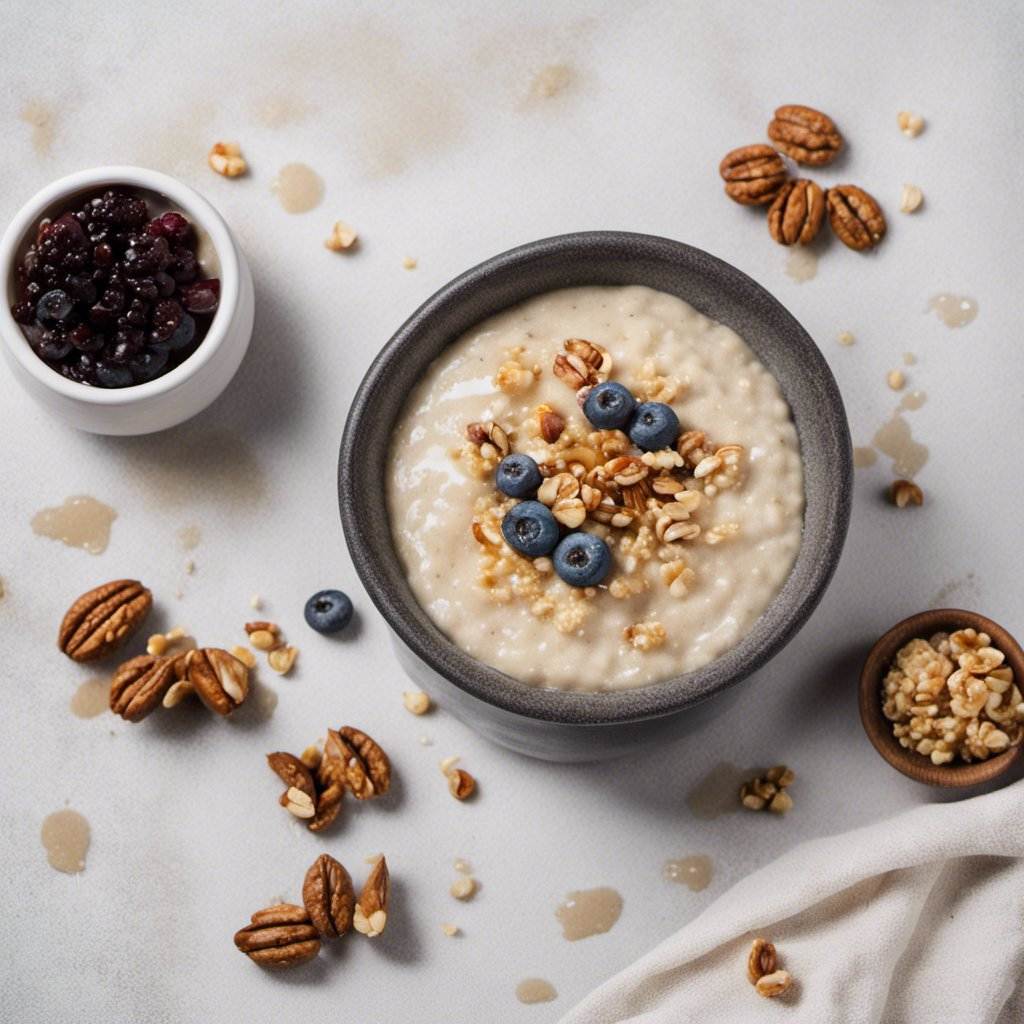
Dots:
pixel 566 260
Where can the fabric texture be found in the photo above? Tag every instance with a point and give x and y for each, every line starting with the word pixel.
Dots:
pixel 918 919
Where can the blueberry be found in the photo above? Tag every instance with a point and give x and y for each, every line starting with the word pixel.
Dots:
pixel 54 305
pixel 328 611
pixel 530 528
pixel 518 476
pixel 112 375
pixel 183 333
pixel 655 426
pixel 582 559
pixel 149 363
pixel 609 406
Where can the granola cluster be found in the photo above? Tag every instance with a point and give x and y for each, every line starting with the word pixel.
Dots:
pixel 952 696
pixel 647 506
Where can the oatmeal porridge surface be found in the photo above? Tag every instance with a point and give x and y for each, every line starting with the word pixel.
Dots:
pixel 516 614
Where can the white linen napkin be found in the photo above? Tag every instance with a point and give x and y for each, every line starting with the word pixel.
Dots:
pixel 918 919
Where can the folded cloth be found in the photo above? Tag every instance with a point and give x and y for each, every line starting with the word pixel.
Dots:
pixel 918 919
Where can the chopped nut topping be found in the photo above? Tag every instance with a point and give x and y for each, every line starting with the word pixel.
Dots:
pixel 416 702
pixel 513 378
pixel 845 338
pixel 256 602
pixel 952 696
pixel 905 492
pixel 409 263
pixel 910 124
pixel 342 237
pixel 464 888
pixel 560 487
pixel 911 198
pixel 678 577
pixel 451 930
pixel 298 803
pixel 644 636
pixel 226 159
pixel 896 379
pixel 723 531
pixel 156 645
pixel 177 692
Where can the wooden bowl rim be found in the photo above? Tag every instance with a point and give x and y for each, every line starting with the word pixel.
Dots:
pixel 879 728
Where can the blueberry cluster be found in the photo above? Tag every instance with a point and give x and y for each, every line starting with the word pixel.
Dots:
pixel 580 559
pixel 110 297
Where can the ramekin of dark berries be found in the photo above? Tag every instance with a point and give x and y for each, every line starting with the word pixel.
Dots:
pixel 129 305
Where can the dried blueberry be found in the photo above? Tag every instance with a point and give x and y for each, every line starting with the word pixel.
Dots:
pixel 53 306
pixel 328 611
pixel 582 559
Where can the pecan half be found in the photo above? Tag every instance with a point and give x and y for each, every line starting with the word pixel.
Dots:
pixel 328 896
pixel 753 175
pixel 102 619
pixel 855 216
pixel 220 679
pixel 367 768
pixel 805 135
pixel 593 355
pixel 279 936
pixel 797 212
pixel 330 781
pixel 371 913
pixel 139 685
pixel 295 775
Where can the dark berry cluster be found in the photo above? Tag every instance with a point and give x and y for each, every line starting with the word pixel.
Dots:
pixel 111 297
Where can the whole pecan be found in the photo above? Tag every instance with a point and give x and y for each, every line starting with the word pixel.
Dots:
pixel 753 175
pixel 328 896
pixel 367 768
pixel 371 912
pixel 806 135
pixel 220 679
pixel 855 216
pixel 797 212
pixel 102 619
pixel 279 936
pixel 139 685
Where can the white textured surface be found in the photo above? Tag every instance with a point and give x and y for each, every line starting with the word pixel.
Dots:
pixel 187 838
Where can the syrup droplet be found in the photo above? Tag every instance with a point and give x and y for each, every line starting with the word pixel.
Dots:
pixel 298 188
pixel 65 836
pixel 587 912
pixel 715 794
pixel 894 439
pixel 535 990
pixel 801 264
pixel 954 310
pixel 81 522
pixel 693 872
pixel 91 698
pixel 864 457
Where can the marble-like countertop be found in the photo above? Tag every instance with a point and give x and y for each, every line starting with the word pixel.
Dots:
pixel 420 121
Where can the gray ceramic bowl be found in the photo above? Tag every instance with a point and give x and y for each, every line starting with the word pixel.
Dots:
pixel 556 724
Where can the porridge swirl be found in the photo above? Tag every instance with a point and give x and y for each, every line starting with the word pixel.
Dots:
pixel 702 532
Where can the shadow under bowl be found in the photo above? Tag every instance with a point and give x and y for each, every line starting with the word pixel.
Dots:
pixel 879 729
pixel 551 723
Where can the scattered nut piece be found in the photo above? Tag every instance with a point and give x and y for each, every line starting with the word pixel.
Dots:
pixel 370 917
pixel 298 803
pixel 768 791
pixel 846 338
pixel 910 124
pixel 772 985
pixel 911 198
pixel 311 756
pixel 464 888
pixel 451 930
pixel 190 566
pixel 461 784
pixel 761 960
pixel 905 492
pixel 644 636
pixel 342 237
pixel 256 602
pixel 177 692
pixel 156 645
pixel 896 379
pixel 226 159
pixel 282 659
pixel 264 640
pixel 447 764
pixel 409 263
pixel 416 702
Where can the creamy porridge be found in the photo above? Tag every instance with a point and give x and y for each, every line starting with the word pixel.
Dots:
pixel 701 534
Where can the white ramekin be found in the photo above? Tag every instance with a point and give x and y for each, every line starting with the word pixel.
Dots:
pixel 177 395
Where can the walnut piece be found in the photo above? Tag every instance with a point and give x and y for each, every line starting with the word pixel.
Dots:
pixel 910 124
pixel 342 238
pixel 226 159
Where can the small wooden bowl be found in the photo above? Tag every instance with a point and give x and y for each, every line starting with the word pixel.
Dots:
pixel 879 728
